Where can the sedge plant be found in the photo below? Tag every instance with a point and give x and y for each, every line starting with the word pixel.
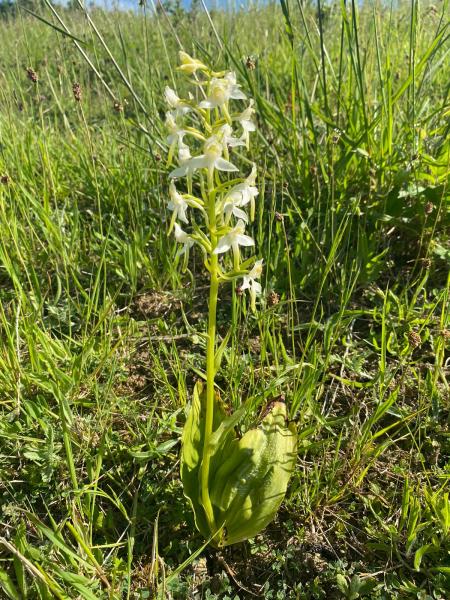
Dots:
pixel 235 484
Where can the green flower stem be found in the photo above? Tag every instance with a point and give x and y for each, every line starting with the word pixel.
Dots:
pixel 210 357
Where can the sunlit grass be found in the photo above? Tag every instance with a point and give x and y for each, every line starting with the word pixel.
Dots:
pixel 101 333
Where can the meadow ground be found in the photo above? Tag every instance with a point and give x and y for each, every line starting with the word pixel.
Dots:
pixel 101 330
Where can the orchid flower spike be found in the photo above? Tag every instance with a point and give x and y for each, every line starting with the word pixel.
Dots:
pixel 250 283
pixel 226 510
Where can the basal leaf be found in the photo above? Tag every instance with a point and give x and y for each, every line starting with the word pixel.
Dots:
pixel 191 453
pixel 250 485
pixel 7 585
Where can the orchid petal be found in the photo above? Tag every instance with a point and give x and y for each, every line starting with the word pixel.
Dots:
pixel 244 240
pixel 180 171
pixel 240 214
pixel 223 246
pixel 224 165
pixel 200 162
pixel 236 94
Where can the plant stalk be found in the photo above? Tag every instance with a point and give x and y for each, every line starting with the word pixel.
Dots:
pixel 210 358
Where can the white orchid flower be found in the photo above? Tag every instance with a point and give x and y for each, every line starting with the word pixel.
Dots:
pixel 176 133
pixel 221 90
pixel 235 92
pixel 178 205
pixel 183 238
pixel 251 179
pixel 233 239
pixel 240 195
pixel 232 207
pixel 175 102
pixel 226 135
pixel 184 159
pixel 211 159
pixel 184 154
pixel 250 283
pixel 245 119
pixel 175 137
pixel 190 65
pixel 171 97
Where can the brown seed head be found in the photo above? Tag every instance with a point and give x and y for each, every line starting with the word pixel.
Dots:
pixel 77 94
pixel 429 207
pixel 273 298
pixel 414 339
pixel 254 345
pixel 250 63
pixel 5 179
pixel 32 75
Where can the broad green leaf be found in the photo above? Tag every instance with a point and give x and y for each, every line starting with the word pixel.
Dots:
pixel 248 475
pixel 342 583
pixel 226 426
pixel 192 451
pixel 191 456
pixel 250 485
pixel 419 554
pixel 8 587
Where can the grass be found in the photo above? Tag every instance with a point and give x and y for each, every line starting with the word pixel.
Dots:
pixel 101 330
